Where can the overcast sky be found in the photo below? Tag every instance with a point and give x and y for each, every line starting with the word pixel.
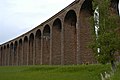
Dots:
pixel 20 16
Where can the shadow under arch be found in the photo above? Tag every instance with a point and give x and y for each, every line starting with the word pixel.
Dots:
pixel 85 36
pixel 20 52
pixel 7 55
pixel 56 42
pixel 70 38
pixel 15 53
pixel 114 6
pixel 11 54
pixel 38 53
pixel 46 45
pixel 4 55
pixel 25 50
pixel 1 53
pixel 31 49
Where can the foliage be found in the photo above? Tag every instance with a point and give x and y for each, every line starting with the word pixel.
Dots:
pixel 108 38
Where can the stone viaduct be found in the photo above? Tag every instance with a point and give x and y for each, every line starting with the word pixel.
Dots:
pixel 60 40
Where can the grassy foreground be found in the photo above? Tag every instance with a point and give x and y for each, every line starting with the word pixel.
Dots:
pixel 74 72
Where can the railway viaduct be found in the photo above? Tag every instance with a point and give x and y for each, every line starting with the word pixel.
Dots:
pixel 60 40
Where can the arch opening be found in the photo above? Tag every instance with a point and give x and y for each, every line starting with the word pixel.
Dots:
pixel 114 5
pixel 15 52
pixel 31 49
pixel 25 39
pixel 7 54
pixel 38 34
pixel 46 31
pixel 38 47
pixel 25 51
pixel 4 46
pixel 31 38
pixel 1 55
pixel 70 38
pixel 56 42
pixel 57 24
pixel 87 7
pixel 20 52
pixel 4 55
pixel 15 47
pixel 71 18
pixel 85 36
pixel 11 53
pixel 46 45
pixel 7 45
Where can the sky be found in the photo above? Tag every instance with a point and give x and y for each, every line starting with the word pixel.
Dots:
pixel 20 16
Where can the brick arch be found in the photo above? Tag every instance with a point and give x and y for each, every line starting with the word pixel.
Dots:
pixel 7 54
pixel 70 37
pixel 114 6
pixel 85 54
pixel 86 7
pixel 46 45
pixel 46 31
pixel 11 53
pixel 20 52
pixel 38 47
pixel 56 42
pixel 31 49
pixel 25 50
pixel 1 52
pixel 4 55
pixel 15 52
pixel 4 46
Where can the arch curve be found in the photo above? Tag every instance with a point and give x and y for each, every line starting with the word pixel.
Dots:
pixel 31 59
pixel 25 39
pixel 4 55
pixel 1 53
pixel 71 18
pixel 70 38
pixel 20 52
pixel 7 55
pixel 38 53
pixel 114 4
pixel 11 53
pixel 25 50
pixel 46 30
pixel 56 42
pixel 57 24
pixel 46 45
pixel 15 52
pixel 86 11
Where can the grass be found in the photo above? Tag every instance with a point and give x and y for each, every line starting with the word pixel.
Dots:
pixel 73 72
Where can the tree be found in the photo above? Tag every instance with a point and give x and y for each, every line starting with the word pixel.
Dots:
pixel 106 39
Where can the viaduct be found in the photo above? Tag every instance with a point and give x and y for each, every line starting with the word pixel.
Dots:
pixel 60 40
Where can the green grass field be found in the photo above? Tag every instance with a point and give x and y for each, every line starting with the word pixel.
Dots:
pixel 74 72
